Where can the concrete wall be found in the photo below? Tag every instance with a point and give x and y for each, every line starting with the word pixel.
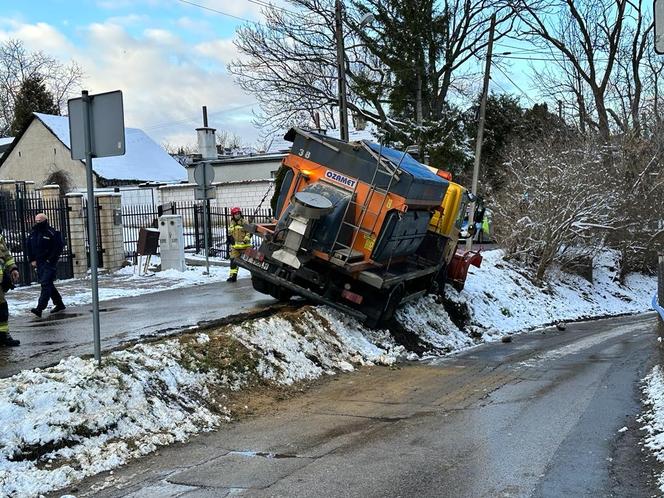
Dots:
pixel 241 171
pixel 39 154
pixel 246 195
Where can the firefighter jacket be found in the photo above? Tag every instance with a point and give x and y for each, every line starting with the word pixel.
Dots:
pixel 238 237
pixel 6 259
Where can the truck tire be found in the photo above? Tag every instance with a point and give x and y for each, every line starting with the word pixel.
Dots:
pixel 392 301
pixel 280 293
pixel 260 285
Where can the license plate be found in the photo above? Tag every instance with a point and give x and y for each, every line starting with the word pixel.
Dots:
pixel 261 264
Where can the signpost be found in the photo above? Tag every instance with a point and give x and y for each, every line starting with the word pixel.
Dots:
pixel 96 129
pixel 204 175
pixel 658 8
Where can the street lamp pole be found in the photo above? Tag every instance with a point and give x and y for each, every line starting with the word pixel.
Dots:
pixel 341 70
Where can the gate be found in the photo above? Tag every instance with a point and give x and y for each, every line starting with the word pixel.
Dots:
pixel 17 215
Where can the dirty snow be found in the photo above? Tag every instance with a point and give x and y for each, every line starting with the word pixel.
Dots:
pixel 653 417
pixel 66 422
pixel 63 423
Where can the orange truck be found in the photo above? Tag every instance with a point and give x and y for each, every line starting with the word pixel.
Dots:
pixel 360 227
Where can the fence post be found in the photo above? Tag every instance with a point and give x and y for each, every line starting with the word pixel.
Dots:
pixel 77 234
pixel 50 193
pixel 110 226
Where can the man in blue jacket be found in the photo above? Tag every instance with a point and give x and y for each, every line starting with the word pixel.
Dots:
pixel 44 248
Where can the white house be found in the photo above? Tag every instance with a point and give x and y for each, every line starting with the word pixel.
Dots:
pixel 41 153
pixel 243 168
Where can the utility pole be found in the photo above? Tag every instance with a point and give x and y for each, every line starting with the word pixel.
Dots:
pixel 480 130
pixel 341 70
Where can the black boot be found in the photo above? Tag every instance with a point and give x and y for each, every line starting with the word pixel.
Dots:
pixel 58 308
pixel 232 278
pixel 37 312
pixel 7 340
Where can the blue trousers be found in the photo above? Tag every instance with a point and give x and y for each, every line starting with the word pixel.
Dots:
pixel 46 274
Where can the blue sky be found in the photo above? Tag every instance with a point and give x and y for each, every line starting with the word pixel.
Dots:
pixel 167 56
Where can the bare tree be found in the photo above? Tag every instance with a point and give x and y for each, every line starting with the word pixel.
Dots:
pixel 290 62
pixel 18 64
pixel 589 39
pixel 639 215
pixel 557 204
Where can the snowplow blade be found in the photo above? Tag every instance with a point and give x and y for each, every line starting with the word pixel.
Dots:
pixel 458 269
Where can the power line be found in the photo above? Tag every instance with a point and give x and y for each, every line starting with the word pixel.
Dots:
pixel 189 120
pixel 267 4
pixel 512 81
pixel 218 11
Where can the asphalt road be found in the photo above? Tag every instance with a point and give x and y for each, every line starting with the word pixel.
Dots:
pixel 47 340
pixel 540 416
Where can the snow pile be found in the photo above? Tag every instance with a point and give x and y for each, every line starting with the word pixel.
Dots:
pixel 653 418
pixel 308 343
pixel 61 424
pixel 73 420
pixel 498 300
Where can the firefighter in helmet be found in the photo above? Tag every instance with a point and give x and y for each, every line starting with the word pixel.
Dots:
pixel 238 239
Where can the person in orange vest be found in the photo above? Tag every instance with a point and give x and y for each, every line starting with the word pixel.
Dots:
pixel 238 238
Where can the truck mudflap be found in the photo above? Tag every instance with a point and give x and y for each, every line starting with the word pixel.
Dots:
pixel 260 269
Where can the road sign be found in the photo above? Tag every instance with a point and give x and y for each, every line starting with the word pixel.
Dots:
pixel 107 132
pixel 96 129
pixel 204 174
pixel 202 193
pixel 659 26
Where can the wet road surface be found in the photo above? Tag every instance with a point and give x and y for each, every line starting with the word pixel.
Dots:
pixel 540 416
pixel 47 340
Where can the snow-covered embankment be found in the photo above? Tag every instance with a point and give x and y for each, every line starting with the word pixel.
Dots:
pixel 60 424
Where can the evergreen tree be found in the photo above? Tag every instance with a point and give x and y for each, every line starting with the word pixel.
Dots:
pixel 32 97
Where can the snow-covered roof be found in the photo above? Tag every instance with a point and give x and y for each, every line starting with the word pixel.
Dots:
pixel 144 159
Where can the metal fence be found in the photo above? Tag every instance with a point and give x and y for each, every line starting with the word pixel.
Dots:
pixel 17 214
pixel 136 217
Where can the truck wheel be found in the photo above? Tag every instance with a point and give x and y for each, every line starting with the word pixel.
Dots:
pixel 393 299
pixel 280 293
pixel 260 285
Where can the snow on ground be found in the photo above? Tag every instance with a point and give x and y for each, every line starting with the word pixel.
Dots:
pixel 122 283
pixel 653 417
pixel 73 420
pixel 63 423
pixel 498 299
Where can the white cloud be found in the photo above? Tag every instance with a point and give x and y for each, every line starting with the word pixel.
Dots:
pixel 221 50
pixel 164 80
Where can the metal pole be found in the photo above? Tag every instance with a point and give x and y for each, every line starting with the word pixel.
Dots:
pixel 341 70
pixel 480 130
pixel 660 281
pixel 92 228
pixel 205 224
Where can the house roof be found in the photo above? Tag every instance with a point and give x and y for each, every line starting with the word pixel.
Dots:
pixel 143 160
pixel 270 157
pixel 5 143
